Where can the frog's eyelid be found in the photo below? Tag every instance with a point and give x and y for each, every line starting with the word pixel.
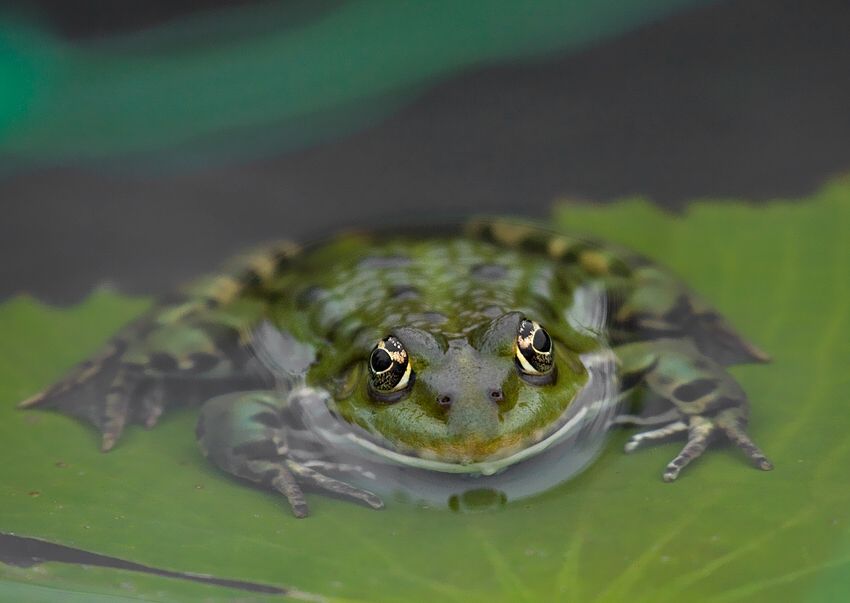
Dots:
pixel 421 343
pixel 500 334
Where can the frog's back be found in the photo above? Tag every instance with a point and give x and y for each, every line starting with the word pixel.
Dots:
pixel 455 283
pixel 449 284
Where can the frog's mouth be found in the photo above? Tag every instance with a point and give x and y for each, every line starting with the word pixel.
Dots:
pixel 590 413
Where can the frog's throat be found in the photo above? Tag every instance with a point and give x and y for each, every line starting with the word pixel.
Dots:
pixel 481 467
pixel 590 415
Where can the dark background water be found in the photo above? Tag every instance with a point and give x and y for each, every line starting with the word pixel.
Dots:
pixel 739 99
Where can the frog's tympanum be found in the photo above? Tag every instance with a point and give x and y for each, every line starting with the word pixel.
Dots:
pixel 449 352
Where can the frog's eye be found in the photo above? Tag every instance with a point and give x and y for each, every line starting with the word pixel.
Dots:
pixel 535 354
pixel 389 366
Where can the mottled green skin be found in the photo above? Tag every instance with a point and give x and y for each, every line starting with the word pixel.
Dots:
pixel 455 301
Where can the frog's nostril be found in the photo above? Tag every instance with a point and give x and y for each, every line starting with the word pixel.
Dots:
pixel 497 395
pixel 444 401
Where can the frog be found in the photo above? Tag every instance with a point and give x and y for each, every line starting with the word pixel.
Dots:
pixel 451 349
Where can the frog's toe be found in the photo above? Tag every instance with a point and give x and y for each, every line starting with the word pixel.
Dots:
pixel 654 435
pixel 733 427
pixel 115 409
pixel 245 434
pixel 329 484
pixel 107 393
pixel 700 432
pixel 278 476
pixel 60 394
pixel 108 411
pixel 284 474
pixel 153 404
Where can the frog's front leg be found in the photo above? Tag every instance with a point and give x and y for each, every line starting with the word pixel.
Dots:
pixel 152 363
pixel 245 434
pixel 704 401
pixel 187 348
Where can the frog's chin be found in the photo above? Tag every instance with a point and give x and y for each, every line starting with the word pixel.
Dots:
pixel 482 467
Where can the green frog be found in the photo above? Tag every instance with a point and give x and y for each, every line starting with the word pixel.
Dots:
pixel 465 351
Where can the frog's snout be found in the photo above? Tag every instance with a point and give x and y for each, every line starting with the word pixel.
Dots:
pixel 468 388
pixel 473 416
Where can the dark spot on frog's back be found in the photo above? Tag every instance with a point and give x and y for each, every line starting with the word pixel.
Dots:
pixel 535 243
pixel 383 261
pixel 202 362
pixel 695 389
pixel 403 292
pixel 488 272
pixel 344 328
pixel 268 418
pixel 163 362
pixel 309 296
pixel 251 279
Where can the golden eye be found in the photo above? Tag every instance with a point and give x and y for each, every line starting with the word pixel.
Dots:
pixel 535 354
pixel 389 366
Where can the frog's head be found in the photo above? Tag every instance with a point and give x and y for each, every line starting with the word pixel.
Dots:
pixel 481 397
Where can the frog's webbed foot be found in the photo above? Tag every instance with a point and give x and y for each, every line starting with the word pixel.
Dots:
pixel 285 475
pixel 106 390
pixel 700 432
pixel 704 402
pixel 110 391
pixel 244 434
pixel 149 365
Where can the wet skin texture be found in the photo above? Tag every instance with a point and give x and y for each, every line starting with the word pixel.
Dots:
pixel 455 348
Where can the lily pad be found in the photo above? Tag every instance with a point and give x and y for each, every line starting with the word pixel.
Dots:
pixel 724 532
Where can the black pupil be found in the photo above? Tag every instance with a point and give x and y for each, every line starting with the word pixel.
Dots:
pixel 541 341
pixel 381 360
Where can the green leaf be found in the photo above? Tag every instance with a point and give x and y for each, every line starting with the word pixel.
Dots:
pixel 723 532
